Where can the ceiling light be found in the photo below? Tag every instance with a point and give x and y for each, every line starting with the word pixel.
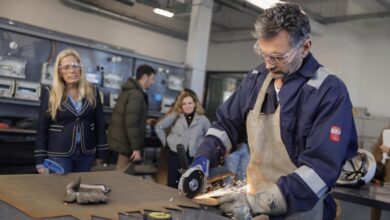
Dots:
pixel 163 12
pixel 264 4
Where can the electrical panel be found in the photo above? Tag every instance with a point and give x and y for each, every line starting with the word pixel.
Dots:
pixel 94 78
pixel 12 67
pixel 175 82
pixel 167 104
pixel 113 99
pixel 112 80
pixel 27 90
pixel 101 96
pixel 7 87
pixel 47 73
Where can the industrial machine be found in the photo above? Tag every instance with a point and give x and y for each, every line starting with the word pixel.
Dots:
pixel 27 59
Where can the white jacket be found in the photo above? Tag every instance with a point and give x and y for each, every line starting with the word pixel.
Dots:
pixel 181 133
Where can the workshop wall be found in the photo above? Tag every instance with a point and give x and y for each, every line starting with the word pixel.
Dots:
pixel 332 49
pixel 337 57
pixel 339 50
pixel 53 15
pixel 355 51
pixel 27 56
pixel 358 52
pixel 375 68
pixel 233 56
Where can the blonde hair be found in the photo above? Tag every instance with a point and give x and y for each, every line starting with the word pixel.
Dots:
pixel 58 89
pixel 186 93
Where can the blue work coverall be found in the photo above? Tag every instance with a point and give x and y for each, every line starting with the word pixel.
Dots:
pixel 317 128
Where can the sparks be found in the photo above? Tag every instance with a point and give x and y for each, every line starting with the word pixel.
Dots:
pixel 240 187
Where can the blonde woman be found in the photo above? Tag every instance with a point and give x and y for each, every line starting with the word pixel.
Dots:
pixel 188 127
pixel 71 127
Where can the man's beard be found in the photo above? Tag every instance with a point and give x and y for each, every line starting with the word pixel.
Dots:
pixel 293 67
pixel 279 75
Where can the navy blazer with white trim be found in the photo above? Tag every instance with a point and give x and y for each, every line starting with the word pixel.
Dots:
pixel 58 137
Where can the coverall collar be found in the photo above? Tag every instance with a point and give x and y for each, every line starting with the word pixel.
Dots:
pixel 309 66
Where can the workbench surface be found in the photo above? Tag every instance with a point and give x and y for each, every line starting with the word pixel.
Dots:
pixel 41 196
pixel 369 195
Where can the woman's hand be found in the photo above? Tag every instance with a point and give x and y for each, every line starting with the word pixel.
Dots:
pixel 99 161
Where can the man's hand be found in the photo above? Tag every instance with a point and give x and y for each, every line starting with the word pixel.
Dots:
pixel 200 164
pixel 83 195
pixel 235 205
pixel 135 156
pixel 241 205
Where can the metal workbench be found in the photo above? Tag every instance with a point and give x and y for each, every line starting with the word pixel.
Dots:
pixel 368 195
pixel 33 196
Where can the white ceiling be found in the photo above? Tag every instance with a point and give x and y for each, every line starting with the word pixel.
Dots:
pixel 232 19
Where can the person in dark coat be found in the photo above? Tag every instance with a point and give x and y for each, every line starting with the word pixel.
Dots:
pixel 71 126
pixel 126 132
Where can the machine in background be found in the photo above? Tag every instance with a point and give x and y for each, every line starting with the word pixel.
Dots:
pixel 27 56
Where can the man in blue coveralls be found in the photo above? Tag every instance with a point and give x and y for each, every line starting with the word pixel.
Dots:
pixel 299 122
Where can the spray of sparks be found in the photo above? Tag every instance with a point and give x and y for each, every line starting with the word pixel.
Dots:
pixel 239 187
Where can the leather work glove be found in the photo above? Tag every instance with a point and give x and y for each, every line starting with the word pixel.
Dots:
pixel 235 205
pixel 200 164
pixel 84 193
pixel 244 205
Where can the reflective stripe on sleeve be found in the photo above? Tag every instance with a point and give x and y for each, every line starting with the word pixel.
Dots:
pixel 313 180
pixel 221 135
pixel 318 78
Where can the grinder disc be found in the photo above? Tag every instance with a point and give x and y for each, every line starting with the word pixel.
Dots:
pixel 193 184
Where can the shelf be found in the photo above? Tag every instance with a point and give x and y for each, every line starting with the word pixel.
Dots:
pixel 17 131
pixel 19 101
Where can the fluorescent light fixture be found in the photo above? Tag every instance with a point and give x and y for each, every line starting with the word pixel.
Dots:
pixel 163 12
pixel 264 4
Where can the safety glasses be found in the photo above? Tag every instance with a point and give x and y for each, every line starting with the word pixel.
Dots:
pixel 70 67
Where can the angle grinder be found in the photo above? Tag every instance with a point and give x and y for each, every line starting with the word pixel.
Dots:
pixel 194 182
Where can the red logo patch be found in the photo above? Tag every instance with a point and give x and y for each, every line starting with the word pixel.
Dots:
pixel 335 134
